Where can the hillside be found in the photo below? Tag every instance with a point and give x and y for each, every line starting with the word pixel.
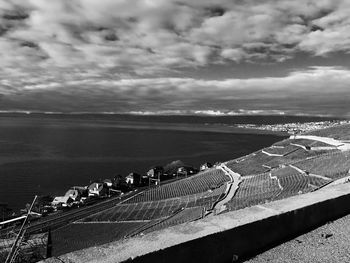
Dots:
pixel 291 167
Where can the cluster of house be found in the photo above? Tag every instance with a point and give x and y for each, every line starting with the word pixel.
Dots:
pixel 157 174
pixel 80 195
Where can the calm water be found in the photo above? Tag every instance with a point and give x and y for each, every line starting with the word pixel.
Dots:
pixel 48 154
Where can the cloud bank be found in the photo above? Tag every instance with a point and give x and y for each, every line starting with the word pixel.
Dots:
pixel 319 90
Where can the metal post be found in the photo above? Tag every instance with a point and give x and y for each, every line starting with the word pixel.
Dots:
pixel 12 253
pixel 49 245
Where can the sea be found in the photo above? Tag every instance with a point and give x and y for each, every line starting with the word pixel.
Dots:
pixel 46 154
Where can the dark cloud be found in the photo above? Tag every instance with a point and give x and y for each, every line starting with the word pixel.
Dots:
pixel 15 15
pixel 316 28
pixel 299 91
pixel 29 44
pixel 215 11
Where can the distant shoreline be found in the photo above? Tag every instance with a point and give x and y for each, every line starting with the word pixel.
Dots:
pixel 143 125
pixel 184 123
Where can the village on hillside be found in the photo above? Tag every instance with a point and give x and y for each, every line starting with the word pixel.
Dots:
pixel 102 189
pixel 295 127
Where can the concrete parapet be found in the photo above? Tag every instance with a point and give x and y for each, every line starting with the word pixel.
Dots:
pixel 229 236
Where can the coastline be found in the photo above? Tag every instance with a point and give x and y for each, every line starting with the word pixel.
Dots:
pixel 140 125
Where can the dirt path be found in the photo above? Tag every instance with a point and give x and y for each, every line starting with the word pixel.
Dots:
pixel 233 187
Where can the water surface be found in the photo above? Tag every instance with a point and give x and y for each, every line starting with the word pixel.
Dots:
pixel 48 154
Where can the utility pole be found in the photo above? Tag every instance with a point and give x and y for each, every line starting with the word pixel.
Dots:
pixel 13 252
pixel 49 245
pixel 158 178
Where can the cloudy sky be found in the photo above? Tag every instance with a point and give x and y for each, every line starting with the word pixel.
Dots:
pixel 236 56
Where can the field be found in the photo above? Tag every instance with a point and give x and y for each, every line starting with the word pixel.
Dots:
pixel 291 181
pixel 320 144
pixel 250 165
pixel 259 162
pixel 199 183
pixel 151 210
pixel 281 151
pixel 303 142
pixel 186 215
pixel 286 142
pixel 338 132
pixel 333 165
pixel 277 184
pixel 78 236
pixel 255 190
pixel 317 182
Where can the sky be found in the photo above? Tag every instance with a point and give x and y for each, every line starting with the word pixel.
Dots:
pixel 176 56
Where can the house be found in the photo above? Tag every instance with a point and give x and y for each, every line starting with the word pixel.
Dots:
pixel 133 179
pixel 118 182
pixel 42 204
pixel 185 171
pixel 82 190
pixel 170 169
pixel 205 166
pixel 74 194
pixel 97 189
pixel 62 201
pixel 154 175
pixel 108 182
pixel 144 179
pixel 155 172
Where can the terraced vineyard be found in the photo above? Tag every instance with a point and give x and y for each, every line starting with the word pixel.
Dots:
pixel 186 215
pixel 281 151
pixel 252 164
pixel 199 183
pixel 151 210
pixel 337 132
pixel 255 190
pixel 291 181
pixel 317 182
pixel 130 218
pixel 295 156
pixel 277 184
pixel 320 144
pixel 263 178
pixel 259 162
pixel 333 165
pixel 304 142
pixel 301 154
pixel 78 236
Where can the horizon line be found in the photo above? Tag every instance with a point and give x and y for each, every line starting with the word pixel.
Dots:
pixel 204 113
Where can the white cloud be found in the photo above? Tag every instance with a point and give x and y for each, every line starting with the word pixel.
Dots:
pixel 315 80
pixel 148 36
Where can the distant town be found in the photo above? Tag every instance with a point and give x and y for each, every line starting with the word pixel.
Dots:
pixel 294 127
